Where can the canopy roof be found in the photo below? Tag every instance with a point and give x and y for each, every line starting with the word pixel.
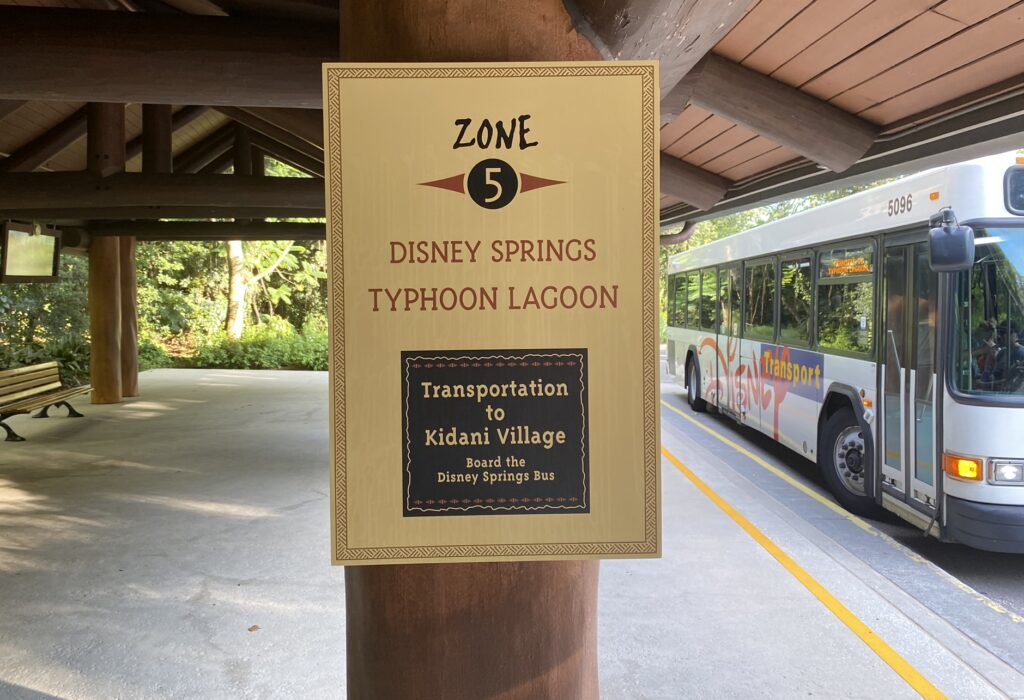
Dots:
pixel 762 99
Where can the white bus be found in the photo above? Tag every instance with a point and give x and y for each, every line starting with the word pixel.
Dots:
pixel 831 332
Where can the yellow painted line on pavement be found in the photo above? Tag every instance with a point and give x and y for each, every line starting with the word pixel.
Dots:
pixel 823 500
pixel 914 678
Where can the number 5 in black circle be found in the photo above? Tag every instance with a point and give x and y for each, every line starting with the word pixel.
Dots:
pixel 492 183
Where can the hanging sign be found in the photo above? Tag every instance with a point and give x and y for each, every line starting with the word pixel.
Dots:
pixel 492 231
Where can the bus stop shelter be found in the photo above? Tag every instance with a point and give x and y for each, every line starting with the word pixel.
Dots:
pixel 119 118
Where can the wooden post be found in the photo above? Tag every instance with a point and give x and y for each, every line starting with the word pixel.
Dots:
pixel 509 630
pixel 156 158
pixel 105 151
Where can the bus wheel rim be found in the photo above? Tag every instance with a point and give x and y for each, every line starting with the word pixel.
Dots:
pixel 848 459
pixel 692 388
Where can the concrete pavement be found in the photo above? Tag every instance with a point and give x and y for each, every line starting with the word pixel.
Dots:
pixel 176 546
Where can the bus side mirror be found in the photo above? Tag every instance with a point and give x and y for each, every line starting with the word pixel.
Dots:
pixel 950 245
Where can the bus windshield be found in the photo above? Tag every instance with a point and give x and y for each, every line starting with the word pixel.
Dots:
pixel 989 316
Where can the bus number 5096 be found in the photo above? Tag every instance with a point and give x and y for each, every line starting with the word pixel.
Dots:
pixel 901 205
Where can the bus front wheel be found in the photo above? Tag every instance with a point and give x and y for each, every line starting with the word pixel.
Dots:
pixel 693 388
pixel 843 459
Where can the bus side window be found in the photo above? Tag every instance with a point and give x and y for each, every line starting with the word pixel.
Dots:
pixel 795 306
pixel 735 277
pixel 708 299
pixel 670 303
pixel 678 291
pixel 724 309
pixel 759 319
pixel 692 299
pixel 846 298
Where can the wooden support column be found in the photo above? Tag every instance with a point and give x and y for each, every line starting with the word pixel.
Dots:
pixel 510 630
pixel 105 156
pixel 156 158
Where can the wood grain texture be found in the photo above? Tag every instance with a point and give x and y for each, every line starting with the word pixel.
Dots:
pixel 677 33
pixel 780 113
pixel 157 127
pixel 432 621
pixel 8 106
pixel 461 30
pixel 47 145
pixel 205 150
pixel 161 59
pixel 105 320
pixel 870 24
pixel 105 157
pixel 306 124
pixel 258 121
pixel 693 185
pixel 465 631
pixel 83 190
pixel 206 230
pixel 129 317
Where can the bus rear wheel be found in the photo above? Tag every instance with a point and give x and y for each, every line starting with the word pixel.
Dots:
pixel 693 388
pixel 844 461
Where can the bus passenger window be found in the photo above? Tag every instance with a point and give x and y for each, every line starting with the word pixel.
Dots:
pixel 674 305
pixel 759 321
pixel 692 296
pixel 795 311
pixel 732 325
pixel 729 301
pixel 708 299
pixel 846 299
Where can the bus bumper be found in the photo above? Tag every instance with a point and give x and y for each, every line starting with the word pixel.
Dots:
pixel 995 528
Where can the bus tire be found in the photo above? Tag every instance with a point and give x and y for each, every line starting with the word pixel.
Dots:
pixel 693 398
pixel 842 460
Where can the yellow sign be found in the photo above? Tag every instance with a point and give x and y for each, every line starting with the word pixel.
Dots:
pixel 494 311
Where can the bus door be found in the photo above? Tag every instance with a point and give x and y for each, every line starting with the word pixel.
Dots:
pixel 909 386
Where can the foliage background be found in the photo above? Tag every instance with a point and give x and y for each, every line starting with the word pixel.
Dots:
pixel 182 297
pixel 182 293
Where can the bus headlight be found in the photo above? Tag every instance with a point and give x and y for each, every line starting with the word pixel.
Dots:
pixel 967 468
pixel 1007 472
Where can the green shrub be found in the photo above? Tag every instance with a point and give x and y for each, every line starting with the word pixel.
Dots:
pixel 70 351
pixel 274 345
pixel 152 354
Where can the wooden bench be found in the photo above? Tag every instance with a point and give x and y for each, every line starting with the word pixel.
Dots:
pixel 24 389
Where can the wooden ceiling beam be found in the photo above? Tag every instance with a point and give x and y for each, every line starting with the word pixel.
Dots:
pixel 210 230
pixel 293 132
pixel 196 7
pixel 47 145
pixel 61 215
pixel 307 124
pixel 180 119
pixel 696 187
pixel 287 154
pixel 204 151
pixel 220 164
pixel 157 127
pixel 8 106
pixel 678 33
pixel 791 118
pixel 63 191
pixel 325 11
pixel 162 59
